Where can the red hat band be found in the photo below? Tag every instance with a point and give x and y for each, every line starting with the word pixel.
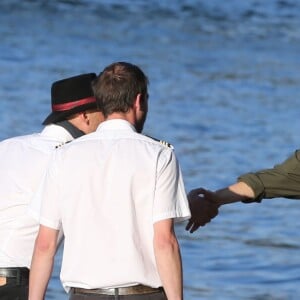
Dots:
pixel 71 105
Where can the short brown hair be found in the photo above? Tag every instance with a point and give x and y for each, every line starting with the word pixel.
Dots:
pixel 117 86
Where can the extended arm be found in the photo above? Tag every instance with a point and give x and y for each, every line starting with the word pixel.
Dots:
pixel 281 181
pixel 205 204
pixel 236 192
pixel 168 259
pixel 42 262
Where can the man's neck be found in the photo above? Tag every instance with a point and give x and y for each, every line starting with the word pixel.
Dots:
pixel 128 116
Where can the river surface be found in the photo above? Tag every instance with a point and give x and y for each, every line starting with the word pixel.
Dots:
pixel 224 90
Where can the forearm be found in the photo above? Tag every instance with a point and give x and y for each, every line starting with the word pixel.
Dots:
pixel 42 264
pixel 169 266
pixel 39 280
pixel 239 191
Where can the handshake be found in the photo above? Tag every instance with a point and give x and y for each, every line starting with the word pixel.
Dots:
pixel 205 204
pixel 204 207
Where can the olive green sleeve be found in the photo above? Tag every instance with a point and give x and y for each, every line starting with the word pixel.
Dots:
pixel 281 181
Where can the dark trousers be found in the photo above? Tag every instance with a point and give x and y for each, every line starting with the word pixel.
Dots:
pixel 14 290
pixel 14 283
pixel 153 296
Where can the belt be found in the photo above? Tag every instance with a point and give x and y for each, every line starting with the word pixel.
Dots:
pixel 20 275
pixel 14 272
pixel 122 291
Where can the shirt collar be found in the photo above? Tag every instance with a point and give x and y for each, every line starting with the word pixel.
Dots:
pixel 57 132
pixel 116 124
pixel 73 130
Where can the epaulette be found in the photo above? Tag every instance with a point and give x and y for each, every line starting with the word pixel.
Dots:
pixel 164 143
pixel 58 146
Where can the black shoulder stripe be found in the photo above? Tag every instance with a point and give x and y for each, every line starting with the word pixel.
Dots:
pixel 61 144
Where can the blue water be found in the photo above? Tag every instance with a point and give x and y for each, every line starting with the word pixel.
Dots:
pixel 224 90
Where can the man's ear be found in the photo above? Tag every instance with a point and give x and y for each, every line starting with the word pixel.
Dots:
pixel 140 103
pixel 137 102
pixel 84 116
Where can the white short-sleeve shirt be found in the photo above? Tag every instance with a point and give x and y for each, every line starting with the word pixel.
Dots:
pixel 23 161
pixel 106 190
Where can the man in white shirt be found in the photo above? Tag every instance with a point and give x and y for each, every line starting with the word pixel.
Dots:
pixel 23 163
pixel 117 205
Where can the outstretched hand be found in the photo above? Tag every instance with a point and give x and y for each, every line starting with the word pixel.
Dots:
pixel 203 208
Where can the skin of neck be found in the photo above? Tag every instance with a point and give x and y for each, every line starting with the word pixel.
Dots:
pixel 128 116
pixel 87 121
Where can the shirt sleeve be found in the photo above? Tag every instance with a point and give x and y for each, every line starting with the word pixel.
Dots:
pixel 48 196
pixel 170 199
pixel 281 181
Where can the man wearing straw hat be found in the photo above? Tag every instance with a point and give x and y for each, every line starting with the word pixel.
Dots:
pixel 122 199
pixel 23 163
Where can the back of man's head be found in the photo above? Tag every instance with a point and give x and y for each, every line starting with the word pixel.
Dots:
pixel 117 87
